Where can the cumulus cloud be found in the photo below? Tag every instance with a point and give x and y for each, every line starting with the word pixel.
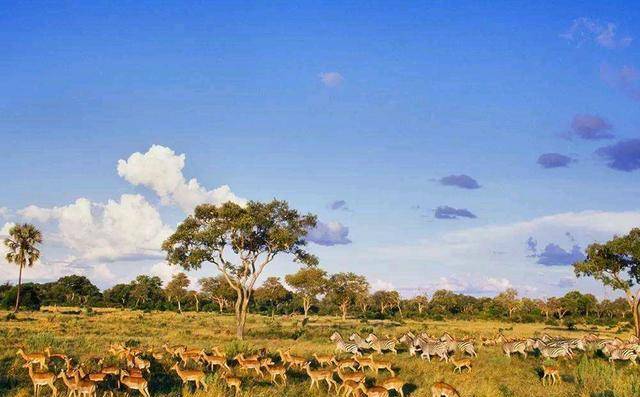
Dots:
pixel 625 79
pixel 446 212
pixel 622 156
pixel 160 169
pixel 554 160
pixel 126 229
pixel 4 232
pixel 331 79
pixel 338 205
pixel 585 30
pixel 473 285
pixel 382 285
pixel 461 181
pixel 590 127
pixel 5 212
pixel 328 234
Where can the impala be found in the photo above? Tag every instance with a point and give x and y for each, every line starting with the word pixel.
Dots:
pixel 135 383
pixel 441 389
pixel 40 379
pixel 35 358
pixel 249 364
pixel 550 372
pixel 190 375
pixel 320 375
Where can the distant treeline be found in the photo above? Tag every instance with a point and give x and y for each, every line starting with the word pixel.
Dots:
pixel 344 294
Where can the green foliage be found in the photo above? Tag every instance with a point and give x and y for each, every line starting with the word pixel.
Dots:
pixel 29 297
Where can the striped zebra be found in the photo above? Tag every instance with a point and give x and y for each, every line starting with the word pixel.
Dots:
pixel 429 349
pixel 359 340
pixel 408 339
pixel 466 347
pixel 515 347
pixel 623 355
pixel 380 345
pixel 342 346
pixel 555 351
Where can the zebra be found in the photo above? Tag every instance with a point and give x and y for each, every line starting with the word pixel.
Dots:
pixel 429 349
pixel 342 346
pixel 408 339
pixel 555 352
pixel 467 347
pixel 382 344
pixel 515 347
pixel 623 355
pixel 359 340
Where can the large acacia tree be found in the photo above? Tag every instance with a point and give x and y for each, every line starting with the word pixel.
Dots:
pixel 308 282
pixel 22 245
pixel 240 241
pixel 616 264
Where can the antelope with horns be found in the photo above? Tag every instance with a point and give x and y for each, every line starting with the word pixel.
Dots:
pixel 190 375
pixel 40 379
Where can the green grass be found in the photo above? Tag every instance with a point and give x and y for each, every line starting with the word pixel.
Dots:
pixel 87 335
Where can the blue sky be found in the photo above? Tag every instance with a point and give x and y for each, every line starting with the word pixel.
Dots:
pixel 316 103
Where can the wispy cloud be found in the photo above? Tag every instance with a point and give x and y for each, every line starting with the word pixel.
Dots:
pixel 554 160
pixel 331 79
pixel 446 212
pixel 590 127
pixel 587 30
pixel 625 79
pixel 462 181
pixel 338 205
pixel 622 156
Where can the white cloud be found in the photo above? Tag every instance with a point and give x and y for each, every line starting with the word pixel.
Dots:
pixel 468 284
pixel 4 232
pixel 127 229
pixel 5 212
pixel 160 169
pixel 382 285
pixel 102 272
pixel 494 256
pixel 603 34
pixel 332 233
pixel 331 79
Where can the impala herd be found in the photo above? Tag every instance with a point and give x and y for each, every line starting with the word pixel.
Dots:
pixel 344 375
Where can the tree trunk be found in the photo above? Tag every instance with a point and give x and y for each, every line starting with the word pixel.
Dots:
pixel 15 310
pixel 343 308
pixel 242 305
pixel 197 305
pixel 420 308
pixel 306 305
pixel 179 307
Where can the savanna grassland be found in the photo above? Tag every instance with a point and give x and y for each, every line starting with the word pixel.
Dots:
pixel 85 335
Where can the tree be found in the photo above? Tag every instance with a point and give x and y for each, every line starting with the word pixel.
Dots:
pixel 119 294
pixel 308 282
pixel 196 298
pixel 272 294
pixel 385 299
pixel 616 264
pixel 557 306
pixel 509 300
pixel 30 297
pixel 23 251
pixel 176 289
pixel 345 289
pixel 146 289
pixel 218 290
pixel 74 289
pixel 253 235
pixel 421 302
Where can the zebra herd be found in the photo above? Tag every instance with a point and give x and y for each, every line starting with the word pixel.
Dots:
pixel 548 347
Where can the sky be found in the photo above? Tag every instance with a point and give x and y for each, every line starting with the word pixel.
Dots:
pixel 474 147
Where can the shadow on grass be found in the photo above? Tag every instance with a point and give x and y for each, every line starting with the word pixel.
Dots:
pixel 605 393
pixel 7 382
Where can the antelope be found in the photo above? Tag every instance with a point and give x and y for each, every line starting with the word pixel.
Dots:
pixel 87 388
pixel 460 364
pixel 344 363
pixel 394 383
pixel 190 375
pixel 97 377
pixel 350 388
pixel 352 376
pixel 110 370
pixel 376 365
pixel 342 346
pixel 320 375
pixel 275 371
pixel 441 389
pixel 186 356
pixel 379 345
pixel 47 351
pixel 233 382
pixel 213 360
pixel 135 383
pixel 174 350
pixel 323 359
pixel 139 363
pixel 550 372
pixel 72 387
pixel 373 391
pixel 287 358
pixel 35 358
pixel 41 379
pixel 249 364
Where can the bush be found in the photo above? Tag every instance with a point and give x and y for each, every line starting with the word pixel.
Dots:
pixel 29 297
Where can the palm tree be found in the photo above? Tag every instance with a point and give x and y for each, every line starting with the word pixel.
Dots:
pixel 22 243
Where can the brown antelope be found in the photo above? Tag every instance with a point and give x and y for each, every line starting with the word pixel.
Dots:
pixel 246 364
pixel 459 364
pixel 394 383
pixel 373 391
pixel 155 353
pixel 375 364
pixel 174 350
pixel 85 388
pixel 441 389
pixel 290 360
pixel 40 379
pixel 190 375
pixel 233 382
pixel 186 356
pixel 212 360
pixel 345 363
pixel 550 372
pixel 275 371
pixel 110 370
pixel 98 377
pixel 320 375
pixel 72 387
pixel 323 359
pixel 351 388
pixel 35 358
pixel 47 351
pixel 135 383
pixel 352 376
